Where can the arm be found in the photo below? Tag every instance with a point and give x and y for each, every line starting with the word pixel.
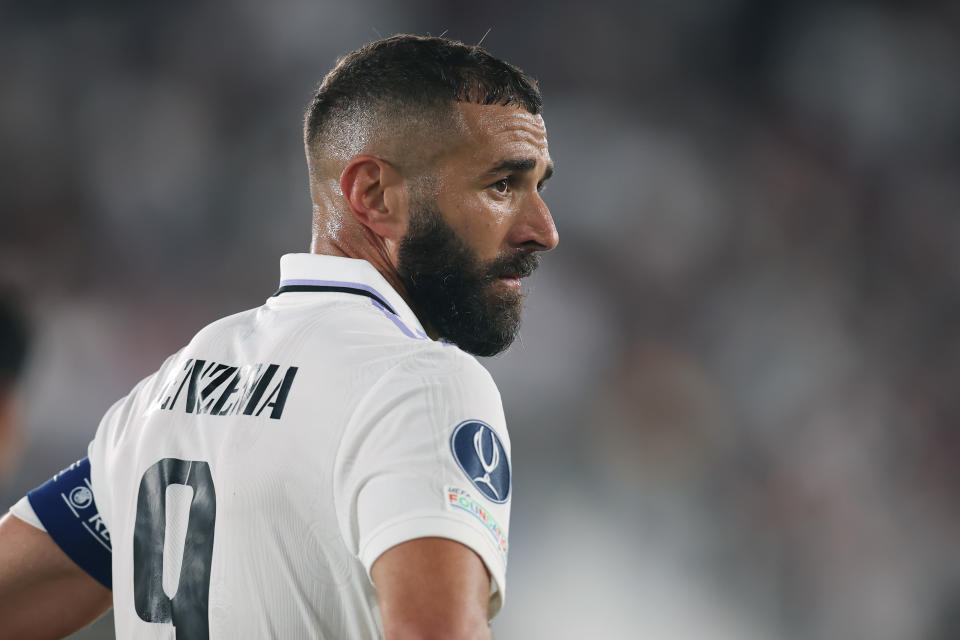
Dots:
pixel 432 588
pixel 43 594
pixel 414 496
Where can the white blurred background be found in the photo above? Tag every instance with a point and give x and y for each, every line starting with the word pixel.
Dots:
pixel 734 406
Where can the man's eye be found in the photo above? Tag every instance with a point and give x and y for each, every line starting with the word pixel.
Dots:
pixel 502 185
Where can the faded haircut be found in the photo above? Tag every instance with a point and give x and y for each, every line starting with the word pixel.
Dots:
pixel 404 88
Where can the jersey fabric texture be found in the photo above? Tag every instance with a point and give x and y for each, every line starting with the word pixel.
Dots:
pixel 250 484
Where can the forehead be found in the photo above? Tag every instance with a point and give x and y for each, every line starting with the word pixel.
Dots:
pixel 495 132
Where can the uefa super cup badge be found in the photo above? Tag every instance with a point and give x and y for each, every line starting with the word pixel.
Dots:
pixel 480 454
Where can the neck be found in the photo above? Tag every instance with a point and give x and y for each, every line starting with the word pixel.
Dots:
pixel 367 249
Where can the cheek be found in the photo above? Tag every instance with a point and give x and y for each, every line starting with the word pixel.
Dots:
pixel 483 223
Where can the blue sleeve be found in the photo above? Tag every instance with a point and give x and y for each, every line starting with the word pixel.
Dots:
pixel 66 508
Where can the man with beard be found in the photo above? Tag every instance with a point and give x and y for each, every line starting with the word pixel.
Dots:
pixel 332 464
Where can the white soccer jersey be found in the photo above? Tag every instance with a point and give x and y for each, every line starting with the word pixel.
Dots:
pixel 250 484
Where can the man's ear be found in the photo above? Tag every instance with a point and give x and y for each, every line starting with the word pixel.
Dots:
pixel 377 196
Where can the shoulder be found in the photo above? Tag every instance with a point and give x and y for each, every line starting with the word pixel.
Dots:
pixel 445 366
pixel 225 324
pixel 426 394
pixel 358 335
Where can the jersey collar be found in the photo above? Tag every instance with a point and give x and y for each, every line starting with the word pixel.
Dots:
pixel 315 272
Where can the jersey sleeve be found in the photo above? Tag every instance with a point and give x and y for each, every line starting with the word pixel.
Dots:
pixel 426 454
pixel 65 508
pixel 24 511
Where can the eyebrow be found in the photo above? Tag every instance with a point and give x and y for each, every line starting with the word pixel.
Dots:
pixel 521 165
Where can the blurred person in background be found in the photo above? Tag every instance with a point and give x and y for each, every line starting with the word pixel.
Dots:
pixel 14 343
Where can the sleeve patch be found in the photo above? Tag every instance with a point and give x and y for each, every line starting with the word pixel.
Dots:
pixel 456 499
pixel 477 449
pixel 65 506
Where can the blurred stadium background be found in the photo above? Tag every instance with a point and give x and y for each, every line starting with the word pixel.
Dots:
pixel 734 405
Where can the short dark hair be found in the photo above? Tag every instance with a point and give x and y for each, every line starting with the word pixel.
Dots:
pixel 407 74
pixel 14 338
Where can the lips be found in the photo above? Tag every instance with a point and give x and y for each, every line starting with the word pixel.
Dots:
pixel 509 271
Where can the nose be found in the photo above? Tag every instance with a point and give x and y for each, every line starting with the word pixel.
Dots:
pixel 535 228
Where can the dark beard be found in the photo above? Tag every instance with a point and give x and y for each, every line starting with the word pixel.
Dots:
pixel 454 292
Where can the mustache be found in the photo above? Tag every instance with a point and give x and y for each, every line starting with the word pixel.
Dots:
pixel 519 265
